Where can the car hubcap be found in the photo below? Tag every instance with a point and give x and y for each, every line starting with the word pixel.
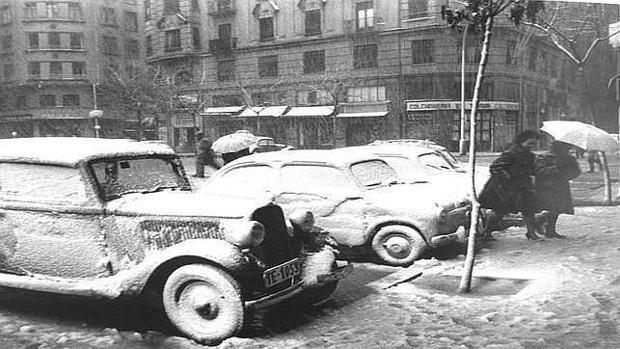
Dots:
pixel 201 299
pixel 397 246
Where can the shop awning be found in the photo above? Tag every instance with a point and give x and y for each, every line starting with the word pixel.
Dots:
pixel 275 111
pixel 221 110
pixel 363 115
pixel 311 111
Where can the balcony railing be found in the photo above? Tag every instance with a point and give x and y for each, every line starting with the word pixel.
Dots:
pixel 363 25
pixel 222 47
pixel 57 48
pixel 222 7
pixel 56 77
pixel 45 17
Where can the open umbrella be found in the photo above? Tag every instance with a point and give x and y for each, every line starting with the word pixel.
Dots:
pixel 584 136
pixel 234 142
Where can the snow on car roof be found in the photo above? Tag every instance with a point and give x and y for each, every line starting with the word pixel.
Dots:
pixel 338 157
pixel 393 149
pixel 71 151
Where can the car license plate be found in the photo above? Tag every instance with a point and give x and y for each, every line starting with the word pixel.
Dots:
pixel 282 272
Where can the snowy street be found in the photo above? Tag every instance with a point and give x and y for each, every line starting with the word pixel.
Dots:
pixel 567 296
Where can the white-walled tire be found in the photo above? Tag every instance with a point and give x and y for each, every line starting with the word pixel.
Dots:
pixel 203 302
pixel 398 245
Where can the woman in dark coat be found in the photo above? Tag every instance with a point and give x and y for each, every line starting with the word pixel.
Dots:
pixel 511 187
pixel 554 170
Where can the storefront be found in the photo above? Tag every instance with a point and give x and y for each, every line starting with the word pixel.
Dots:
pixel 219 121
pixel 184 128
pixel 440 121
pixel 311 127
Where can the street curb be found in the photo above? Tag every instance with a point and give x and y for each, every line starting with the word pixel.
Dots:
pixel 394 279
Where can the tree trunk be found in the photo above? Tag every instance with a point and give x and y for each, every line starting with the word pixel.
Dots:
pixel 465 284
pixel 140 129
pixel 606 179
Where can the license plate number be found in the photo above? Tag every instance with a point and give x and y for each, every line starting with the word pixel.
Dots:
pixel 282 272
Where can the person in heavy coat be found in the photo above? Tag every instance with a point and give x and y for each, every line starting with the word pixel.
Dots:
pixel 511 186
pixel 204 155
pixel 554 170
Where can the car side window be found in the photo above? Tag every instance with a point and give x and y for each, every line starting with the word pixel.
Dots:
pixel 42 183
pixel 434 161
pixel 256 178
pixel 305 178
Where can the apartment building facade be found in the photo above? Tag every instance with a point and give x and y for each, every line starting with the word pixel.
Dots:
pixel 328 73
pixel 52 55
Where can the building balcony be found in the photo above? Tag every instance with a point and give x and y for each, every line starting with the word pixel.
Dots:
pixel 365 26
pixel 221 8
pixel 56 48
pixel 222 47
pixel 70 77
pixel 78 19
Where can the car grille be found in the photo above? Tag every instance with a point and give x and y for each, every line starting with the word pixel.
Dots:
pixel 455 218
pixel 165 233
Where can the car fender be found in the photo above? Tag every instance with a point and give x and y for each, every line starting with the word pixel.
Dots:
pixel 425 227
pixel 214 251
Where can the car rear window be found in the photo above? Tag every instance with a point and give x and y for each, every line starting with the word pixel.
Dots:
pixel 41 183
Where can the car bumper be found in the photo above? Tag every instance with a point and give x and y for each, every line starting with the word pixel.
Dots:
pixel 460 235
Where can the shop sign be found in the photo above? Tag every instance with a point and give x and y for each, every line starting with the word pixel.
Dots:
pixel 456 105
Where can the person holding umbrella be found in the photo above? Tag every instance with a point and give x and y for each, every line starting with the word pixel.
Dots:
pixel 204 155
pixel 235 145
pixel 554 169
pixel 511 187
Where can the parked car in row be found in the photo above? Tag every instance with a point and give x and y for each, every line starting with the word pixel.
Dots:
pixel 355 195
pixel 110 218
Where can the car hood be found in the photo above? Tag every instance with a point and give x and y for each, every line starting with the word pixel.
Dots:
pixel 174 203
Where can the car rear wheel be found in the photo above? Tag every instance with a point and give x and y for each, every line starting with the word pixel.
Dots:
pixel 203 302
pixel 398 245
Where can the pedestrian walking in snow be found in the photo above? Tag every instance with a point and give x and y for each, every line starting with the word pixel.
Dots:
pixel 511 186
pixel 593 158
pixel 554 169
pixel 204 155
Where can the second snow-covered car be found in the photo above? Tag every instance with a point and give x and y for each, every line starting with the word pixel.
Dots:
pixel 110 218
pixel 355 195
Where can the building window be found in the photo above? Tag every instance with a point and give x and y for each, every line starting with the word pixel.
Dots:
pixel 171 7
pixel 366 94
pixel 511 48
pixel 173 39
pixel 71 100
pixel 108 16
pixel 422 51
pixel 53 10
pixel 47 100
pixel 34 69
pixel 314 62
pixel 365 56
pixel 75 41
pixel 131 21
pixel 5 14
pixel 195 6
pixel 55 69
pixel 147 10
pixel 21 102
pixel 33 41
pixel 75 11
pixel 268 66
pixel 226 70
pixel 365 15
pixel 30 10
pixel 53 40
pixel 110 45
pixel 532 58
pixel 313 22
pixel 133 48
pixel 7 42
pixel 265 28
pixel 78 69
pixel 418 8
pixel 196 38
pixel 8 71
pixel 148 42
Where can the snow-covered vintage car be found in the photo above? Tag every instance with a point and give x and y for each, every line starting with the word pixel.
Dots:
pixel 356 196
pixel 111 218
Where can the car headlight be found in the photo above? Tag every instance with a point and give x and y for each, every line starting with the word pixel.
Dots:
pixel 443 216
pixel 246 234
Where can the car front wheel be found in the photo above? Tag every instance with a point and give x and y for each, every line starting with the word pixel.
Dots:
pixel 203 302
pixel 398 245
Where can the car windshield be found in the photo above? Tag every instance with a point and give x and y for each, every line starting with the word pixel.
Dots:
pixel 373 173
pixel 121 176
